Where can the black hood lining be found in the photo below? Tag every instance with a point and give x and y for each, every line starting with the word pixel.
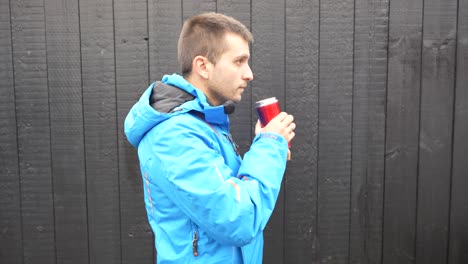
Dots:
pixel 165 98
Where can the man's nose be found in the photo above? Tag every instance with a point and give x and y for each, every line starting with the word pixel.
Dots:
pixel 248 74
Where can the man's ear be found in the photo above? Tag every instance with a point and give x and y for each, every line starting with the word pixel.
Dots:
pixel 201 66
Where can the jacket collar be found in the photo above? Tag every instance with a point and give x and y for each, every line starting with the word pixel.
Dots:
pixel 213 114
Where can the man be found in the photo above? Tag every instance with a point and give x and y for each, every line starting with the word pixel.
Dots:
pixel 204 203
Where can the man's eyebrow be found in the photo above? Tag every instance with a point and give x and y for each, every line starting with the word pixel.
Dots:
pixel 243 56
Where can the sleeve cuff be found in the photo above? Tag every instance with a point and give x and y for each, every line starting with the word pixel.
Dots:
pixel 270 135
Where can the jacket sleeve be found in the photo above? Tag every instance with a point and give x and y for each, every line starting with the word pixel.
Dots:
pixel 233 208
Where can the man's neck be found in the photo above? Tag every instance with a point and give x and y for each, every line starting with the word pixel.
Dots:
pixel 200 84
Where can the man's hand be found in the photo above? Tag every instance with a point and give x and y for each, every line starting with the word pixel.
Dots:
pixel 282 124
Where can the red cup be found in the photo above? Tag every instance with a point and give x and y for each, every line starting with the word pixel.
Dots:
pixel 267 109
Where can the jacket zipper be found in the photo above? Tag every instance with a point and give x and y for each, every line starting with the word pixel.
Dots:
pixel 228 136
pixel 233 143
pixel 195 241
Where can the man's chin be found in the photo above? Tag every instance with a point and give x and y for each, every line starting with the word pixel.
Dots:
pixel 237 100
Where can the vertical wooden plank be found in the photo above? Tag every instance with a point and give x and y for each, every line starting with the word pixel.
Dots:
pixel 68 170
pixel 195 7
pixel 435 138
pixel 131 48
pixel 335 118
pixel 241 120
pixel 10 217
pixel 164 24
pixel 458 240
pixel 99 110
pixel 302 40
pixel 368 149
pixel 402 129
pixel 32 106
pixel 268 60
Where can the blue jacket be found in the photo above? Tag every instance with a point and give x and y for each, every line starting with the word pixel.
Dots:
pixel 204 203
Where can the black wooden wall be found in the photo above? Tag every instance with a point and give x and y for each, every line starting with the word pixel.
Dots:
pixel 379 90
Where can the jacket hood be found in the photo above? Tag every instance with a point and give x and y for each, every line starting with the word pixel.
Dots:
pixel 171 96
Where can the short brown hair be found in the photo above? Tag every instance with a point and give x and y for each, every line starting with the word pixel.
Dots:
pixel 202 35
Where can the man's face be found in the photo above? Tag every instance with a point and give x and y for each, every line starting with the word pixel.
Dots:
pixel 229 77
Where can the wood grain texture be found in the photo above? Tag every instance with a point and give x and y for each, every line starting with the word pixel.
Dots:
pixel 402 131
pixel 335 130
pixel 100 130
pixel 164 24
pixel 268 60
pixel 11 250
pixel 66 125
pixel 33 128
pixel 458 239
pixel 368 149
pixel 132 77
pixel 435 138
pixel 195 7
pixel 301 97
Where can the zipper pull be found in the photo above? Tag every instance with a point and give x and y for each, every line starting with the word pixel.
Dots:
pixel 195 244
